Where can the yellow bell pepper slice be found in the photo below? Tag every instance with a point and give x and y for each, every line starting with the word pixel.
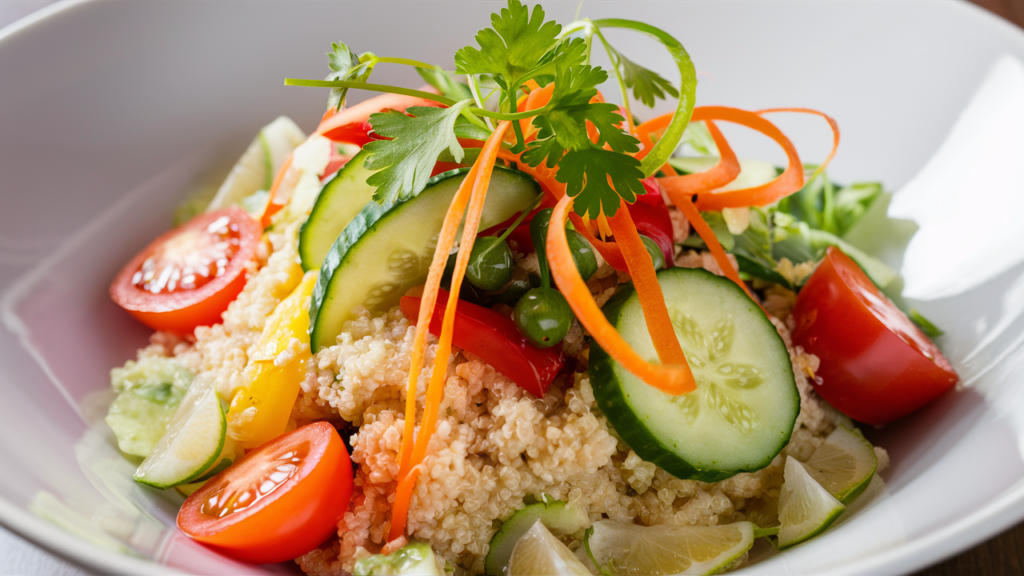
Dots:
pixel 260 411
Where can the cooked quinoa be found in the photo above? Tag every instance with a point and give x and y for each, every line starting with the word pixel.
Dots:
pixel 497 448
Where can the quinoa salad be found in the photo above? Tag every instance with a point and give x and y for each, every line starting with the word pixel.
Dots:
pixel 496 325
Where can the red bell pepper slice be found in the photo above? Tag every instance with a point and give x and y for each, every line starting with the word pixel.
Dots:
pixel 496 340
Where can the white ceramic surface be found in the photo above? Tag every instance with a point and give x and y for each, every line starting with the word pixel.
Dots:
pixel 110 111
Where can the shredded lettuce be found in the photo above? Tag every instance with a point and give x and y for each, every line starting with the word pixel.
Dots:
pixel 800 228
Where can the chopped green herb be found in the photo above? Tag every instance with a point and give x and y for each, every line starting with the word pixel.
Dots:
pixel 417 138
pixel 647 84
pixel 344 66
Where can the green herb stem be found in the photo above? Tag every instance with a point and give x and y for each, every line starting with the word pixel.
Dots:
pixel 668 143
pixel 405 61
pixel 474 87
pixel 409 92
pixel 520 144
pixel 367 86
pixel 618 77
pixel 522 216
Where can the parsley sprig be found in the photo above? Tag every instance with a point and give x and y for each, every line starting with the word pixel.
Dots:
pixel 520 46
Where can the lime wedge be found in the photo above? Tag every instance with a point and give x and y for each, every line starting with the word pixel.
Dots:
pixel 193 443
pixel 539 553
pixel 661 550
pixel 259 163
pixel 805 507
pixel 843 464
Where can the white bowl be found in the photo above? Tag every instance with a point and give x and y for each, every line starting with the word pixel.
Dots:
pixel 110 111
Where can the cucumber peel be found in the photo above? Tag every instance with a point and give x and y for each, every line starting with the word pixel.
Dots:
pixel 742 413
pixel 386 250
pixel 195 439
pixel 340 200
pixel 556 515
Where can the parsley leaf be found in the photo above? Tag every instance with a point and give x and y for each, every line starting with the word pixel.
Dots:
pixel 445 83
pixel 344 65
pixel 647 84
pixel 406 160
pixel 590 175
pixel 586 167
pixel 546 148
pixel 513 47
pixel 571 109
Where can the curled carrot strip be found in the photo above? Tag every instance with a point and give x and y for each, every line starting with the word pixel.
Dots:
pixel 791 180
pixel 275 203
pixel 669 378
pixel 474 191
pixel 831 124
pixel 361 112
pixel 725 171
pixel 682 201
pixel 645 280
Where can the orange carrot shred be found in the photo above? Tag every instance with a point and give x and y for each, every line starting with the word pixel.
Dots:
pixel 474 190
pixel 684 204
pixel 831 124
pixel 648 290
pixel 791 180
pixel 669 378
pixel 725 171
pixel 274 202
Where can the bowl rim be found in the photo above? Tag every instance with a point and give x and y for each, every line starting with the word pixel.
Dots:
pixel 917 553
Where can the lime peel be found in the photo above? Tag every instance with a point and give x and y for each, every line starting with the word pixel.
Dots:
pixel 617 548
pixel 805 508
pixel 843 464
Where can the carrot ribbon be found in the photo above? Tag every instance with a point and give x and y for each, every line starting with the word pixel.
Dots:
pixel 473 191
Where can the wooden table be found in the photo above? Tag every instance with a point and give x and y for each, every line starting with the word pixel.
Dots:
pixel 1003 554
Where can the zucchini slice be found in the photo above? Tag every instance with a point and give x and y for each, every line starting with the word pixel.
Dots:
pixel 746 402
pixel 386 250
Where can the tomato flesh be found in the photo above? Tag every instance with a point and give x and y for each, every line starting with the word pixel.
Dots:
pixel 188 276
pixel 190 259
pixel 876 365
pixel 278 502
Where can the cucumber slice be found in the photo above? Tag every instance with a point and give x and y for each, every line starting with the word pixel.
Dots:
pixel 557 516
pixel 194 441
pixel 385 251
pixel 539 553
pixel 843 464
pixel 339 202
pixel 746 402
pixel 259 163
pixel 415 558
pixel 619 548
pixel 805 508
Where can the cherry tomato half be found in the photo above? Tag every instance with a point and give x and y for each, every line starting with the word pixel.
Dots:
pixel 876 365
pixel 278 502
pixel 188 276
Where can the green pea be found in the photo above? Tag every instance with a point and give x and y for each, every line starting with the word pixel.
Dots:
pixel 490 263
pixel 543 317
pixel 655 251
pixel 582 254
pixel 516 288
